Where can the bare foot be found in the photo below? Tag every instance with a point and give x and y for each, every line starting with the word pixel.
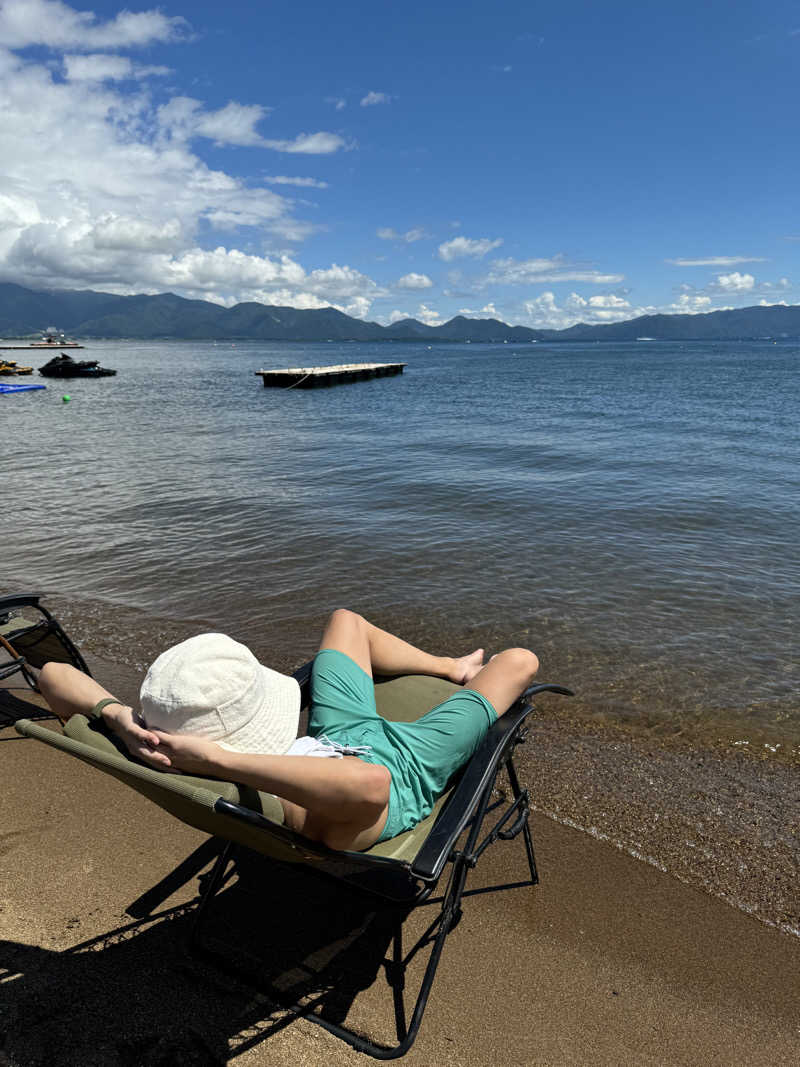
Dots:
pixel 465 668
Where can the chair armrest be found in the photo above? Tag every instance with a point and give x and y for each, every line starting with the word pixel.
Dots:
pixel 20 600
pixel 303 678
pixel 478 775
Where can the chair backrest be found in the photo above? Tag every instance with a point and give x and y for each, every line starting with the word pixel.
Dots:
pixel 34 634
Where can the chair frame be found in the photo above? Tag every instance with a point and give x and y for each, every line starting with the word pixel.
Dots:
pixel 19 662
pixel 405 885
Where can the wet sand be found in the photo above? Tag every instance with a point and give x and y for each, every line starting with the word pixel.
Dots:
pixel 607 961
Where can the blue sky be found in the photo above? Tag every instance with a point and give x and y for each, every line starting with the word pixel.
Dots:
pixel 542 164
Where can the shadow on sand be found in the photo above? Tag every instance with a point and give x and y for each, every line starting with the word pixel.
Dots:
pixel 135 995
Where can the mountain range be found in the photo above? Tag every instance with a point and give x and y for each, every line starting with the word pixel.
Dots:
pixel 87 314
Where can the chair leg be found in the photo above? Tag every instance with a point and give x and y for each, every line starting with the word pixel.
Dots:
pixel 214 879
pixel 526 829
pixel 396 968
pixel 407 1035
pixel 450 914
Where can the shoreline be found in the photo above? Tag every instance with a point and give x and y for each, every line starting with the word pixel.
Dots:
pixel 716 820
pixel 134 636
pixel 692 804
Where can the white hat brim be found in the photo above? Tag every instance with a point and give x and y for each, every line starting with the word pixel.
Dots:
pixel 273 728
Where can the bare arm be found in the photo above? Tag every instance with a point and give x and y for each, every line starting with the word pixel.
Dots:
pixel 338 791
pixel 69 692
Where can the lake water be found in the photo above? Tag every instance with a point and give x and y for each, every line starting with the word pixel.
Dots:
pixel 629 511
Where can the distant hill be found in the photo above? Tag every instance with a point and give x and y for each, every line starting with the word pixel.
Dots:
pixel 739 324
pixel 87 314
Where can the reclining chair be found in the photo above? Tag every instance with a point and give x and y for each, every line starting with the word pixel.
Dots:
pixel 403 871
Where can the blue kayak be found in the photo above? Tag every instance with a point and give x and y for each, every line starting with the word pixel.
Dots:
pixel 19 388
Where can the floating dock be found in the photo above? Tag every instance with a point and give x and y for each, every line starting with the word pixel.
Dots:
pixel 312 377
pixel 41 345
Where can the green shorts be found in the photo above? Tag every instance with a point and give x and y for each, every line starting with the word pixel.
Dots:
pixel 422 756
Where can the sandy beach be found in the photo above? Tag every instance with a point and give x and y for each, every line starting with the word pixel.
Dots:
pixel 607 961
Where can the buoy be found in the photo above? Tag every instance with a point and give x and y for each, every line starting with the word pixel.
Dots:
pixel 66 398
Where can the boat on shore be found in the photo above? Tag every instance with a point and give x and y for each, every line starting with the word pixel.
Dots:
pixel 64 366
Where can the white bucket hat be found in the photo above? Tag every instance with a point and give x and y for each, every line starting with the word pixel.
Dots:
pixel 215 688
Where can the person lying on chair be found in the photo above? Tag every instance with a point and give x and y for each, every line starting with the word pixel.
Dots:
pixel 209 708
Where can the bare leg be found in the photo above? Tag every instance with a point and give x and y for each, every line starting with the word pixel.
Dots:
pixel 506 677
pixel 376 650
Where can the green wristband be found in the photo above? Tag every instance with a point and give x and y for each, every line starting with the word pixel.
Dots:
pixel 95 712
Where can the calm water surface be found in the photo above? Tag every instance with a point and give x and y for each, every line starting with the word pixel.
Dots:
pixel 629 511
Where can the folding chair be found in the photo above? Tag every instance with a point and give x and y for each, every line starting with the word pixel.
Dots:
pixel 30 636
pixel 403 871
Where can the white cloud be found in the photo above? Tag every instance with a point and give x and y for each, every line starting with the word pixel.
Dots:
pixel 53 24
pixel 310 144
pixel 537 271
pixel 386 233
pixel 422 314
pixel 116 233
pixel 545 312
pixel 488 309
pixel 306 183
pixel 342 282
pixel 734 282
pixel 372 98
pixel 609 301
pixel 690 304
pixel 715 261
pixel 781 283
pixel 428 316
pixel 129 206
pixel 222 275
pixel 466 246
pixel 98 68
pixel 183 118
pixel 414 281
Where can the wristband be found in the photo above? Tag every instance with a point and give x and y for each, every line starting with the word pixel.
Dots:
pixel 95 712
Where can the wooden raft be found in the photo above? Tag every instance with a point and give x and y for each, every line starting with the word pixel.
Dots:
pixel 311 377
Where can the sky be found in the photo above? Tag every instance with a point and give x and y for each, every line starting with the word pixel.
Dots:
pixel 539 163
